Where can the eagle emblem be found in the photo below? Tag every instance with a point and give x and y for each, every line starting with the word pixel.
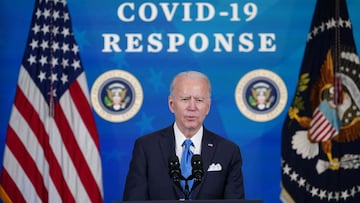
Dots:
pixel 116 97
pixel 261 96
pixel 330 122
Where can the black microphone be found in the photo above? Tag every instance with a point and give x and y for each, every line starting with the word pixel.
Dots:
pixel 175 171
pixel 197 170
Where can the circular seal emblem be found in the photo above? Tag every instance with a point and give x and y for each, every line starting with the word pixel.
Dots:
pixel 261 95
pixel 116 95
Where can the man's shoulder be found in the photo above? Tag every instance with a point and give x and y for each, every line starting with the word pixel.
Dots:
pixel 157 134
pixel 218 138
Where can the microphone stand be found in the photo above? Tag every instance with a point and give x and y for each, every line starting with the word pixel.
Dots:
pixel 186 189
pixel 175 174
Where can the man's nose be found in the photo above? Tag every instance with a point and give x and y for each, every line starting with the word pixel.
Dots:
pixel 192 103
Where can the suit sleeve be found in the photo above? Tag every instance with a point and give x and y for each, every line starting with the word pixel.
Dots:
pixel 234 188
pixel 136 180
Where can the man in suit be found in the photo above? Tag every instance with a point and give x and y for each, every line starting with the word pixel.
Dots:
pixel 148 177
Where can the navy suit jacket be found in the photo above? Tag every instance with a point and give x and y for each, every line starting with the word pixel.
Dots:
pixel 148 177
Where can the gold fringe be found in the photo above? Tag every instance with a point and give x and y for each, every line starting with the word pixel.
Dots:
pixel 4 196
pixel 285 196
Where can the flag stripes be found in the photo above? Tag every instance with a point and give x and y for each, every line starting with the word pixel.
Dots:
pixel 321 129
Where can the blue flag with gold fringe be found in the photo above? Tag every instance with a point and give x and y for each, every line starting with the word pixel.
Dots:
pixel 321 133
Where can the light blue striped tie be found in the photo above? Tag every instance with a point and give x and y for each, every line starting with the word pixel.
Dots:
pixel 185 165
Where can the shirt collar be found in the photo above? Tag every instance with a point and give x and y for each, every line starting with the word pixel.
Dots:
pixel 180 138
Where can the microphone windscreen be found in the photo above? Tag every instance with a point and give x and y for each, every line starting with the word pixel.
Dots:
pixel 196 161
pixel 174 170
pixel 173 161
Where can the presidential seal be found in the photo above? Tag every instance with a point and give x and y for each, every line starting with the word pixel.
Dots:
pixel 116 96
pixel 261 95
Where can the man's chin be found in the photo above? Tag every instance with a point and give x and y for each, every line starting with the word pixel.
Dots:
pixel 192 126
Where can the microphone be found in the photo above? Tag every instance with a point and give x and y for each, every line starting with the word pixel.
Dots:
pixel 197 170
pixel 175 171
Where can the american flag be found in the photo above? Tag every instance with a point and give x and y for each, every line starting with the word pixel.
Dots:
pixel 52 147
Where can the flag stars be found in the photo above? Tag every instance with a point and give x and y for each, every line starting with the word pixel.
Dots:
pixel 65 32
pixel 322 194
pixel 348 24
pixel 54 62
pixel 309 37
pixel 345 195
pixel 53 92
pixel 314 191
pixel 32 59
pixel 341 22
pixel 65 63
pixel 64 79
pixel 55 30
pixel 286 169
pixel 38 13
pixel 65 48
pixel 46 13
pixel 76 64
pixel 56 15
pixel 66 17
pixel 75 49
pixel 350 56
pixel 45 29
pixel 55 46
pixel 330 24
pixel 44 45
pixel 294 176
pixel 315 31
pixel 353 191
pixel 322 27
pixel 36 29
pixel 41 76
pixel 43 60
pixel 301 182
pixel 53 77
pixel 330 196
pixel 34 44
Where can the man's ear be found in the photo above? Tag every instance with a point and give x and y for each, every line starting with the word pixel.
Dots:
pixel 171 104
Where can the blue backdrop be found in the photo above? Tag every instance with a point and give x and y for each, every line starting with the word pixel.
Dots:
pixel 284 23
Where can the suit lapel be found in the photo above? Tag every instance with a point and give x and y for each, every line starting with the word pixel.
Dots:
pixel 167 145
pixel 207 153
pixel 207 149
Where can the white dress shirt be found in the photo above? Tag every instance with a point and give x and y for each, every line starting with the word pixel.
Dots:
pixel 180 138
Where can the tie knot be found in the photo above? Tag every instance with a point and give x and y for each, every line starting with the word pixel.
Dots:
pixel 187 143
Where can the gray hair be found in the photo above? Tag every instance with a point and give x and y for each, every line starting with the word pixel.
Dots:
pixel 190 74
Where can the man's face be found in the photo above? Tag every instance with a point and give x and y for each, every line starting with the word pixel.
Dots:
pixel 190 103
